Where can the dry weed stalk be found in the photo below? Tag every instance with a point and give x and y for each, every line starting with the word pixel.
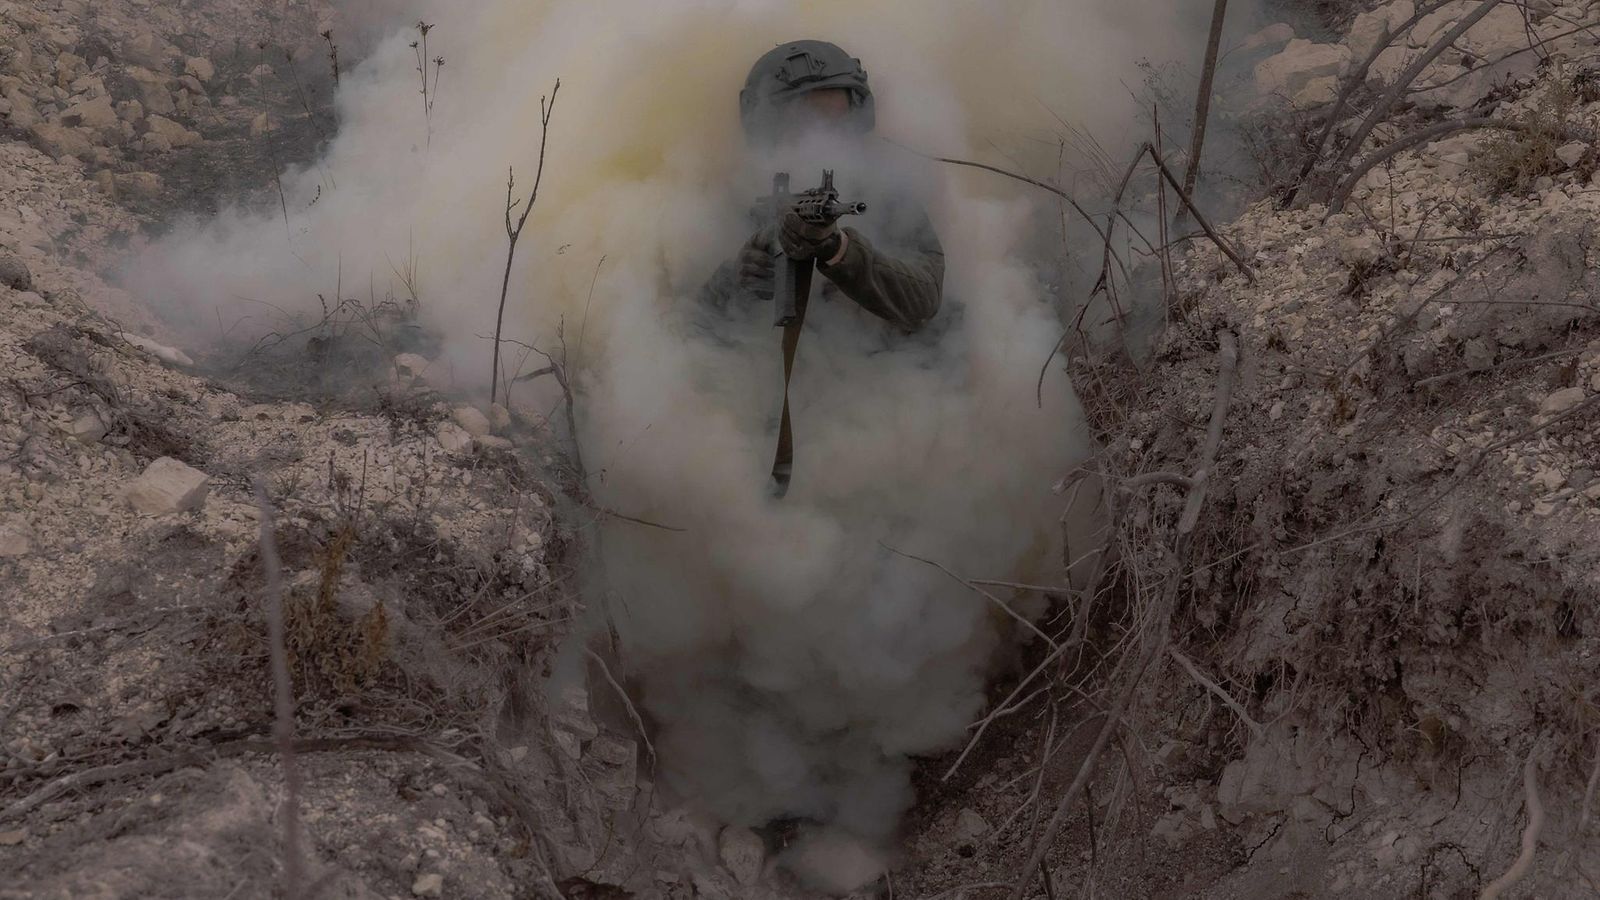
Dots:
pixel 283 697
pixel 430 91
pixel 514 230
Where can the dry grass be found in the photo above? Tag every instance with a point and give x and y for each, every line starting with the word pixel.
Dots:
pixel 1511 161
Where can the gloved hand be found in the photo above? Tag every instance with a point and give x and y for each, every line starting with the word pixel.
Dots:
pixel 803 240
pixel 757 266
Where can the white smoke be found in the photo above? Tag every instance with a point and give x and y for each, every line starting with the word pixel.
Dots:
pixel 791 661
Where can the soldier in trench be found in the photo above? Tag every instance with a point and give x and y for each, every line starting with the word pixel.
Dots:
pixel 889 262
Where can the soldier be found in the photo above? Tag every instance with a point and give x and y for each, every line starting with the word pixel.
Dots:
pixel 891 263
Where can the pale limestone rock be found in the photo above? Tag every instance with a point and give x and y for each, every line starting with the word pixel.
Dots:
pixel 172 132
pixel 1571 154
pixel 1501 32
pixel 97 115
pixel 88 428
pixel 61 141
pixel 429 885
pixel 167 486
pixel 1367 31
pixel 1317 92
pixel 452 437
pixel 472 420
pixel 200 68
pixel 1288 72
pixel 1562 400
pixel 1390 63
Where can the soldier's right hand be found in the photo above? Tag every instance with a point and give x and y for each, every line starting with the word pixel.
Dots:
pixel 758 265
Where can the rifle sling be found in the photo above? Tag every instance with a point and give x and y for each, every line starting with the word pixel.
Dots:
pixel 783 459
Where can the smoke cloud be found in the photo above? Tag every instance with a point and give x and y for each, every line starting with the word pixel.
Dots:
pixel 790 659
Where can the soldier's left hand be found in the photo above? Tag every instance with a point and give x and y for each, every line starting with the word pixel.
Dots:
pixel 804 240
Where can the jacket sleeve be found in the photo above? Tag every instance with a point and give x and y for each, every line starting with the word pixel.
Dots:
pixel 719 290
pixel 902 283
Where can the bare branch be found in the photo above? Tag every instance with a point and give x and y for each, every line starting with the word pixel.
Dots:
pixel 1530 834
pixel 514 232
pixel 633 712
pixel 1214 688
pixel 1005 607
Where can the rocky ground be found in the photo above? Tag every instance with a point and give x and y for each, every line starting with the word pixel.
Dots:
pixel 1389 605
pixel 428 555
pixel 1385 625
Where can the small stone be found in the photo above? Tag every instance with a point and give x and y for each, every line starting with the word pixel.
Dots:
pixel 14 273
pixel 742 853
pixel 87 428
pixel 429 885
pixel 171 132
pixel 1562 400
pixel 261 125
pixel 61 141
pixel 1571 154
pixel 14 540
pixel 410 365
pixel 519 753
pixel 97 115
pixel 12 838
pixel 200 67
pixel 472 420
pixel 1276 412
pixel 167 486
pixel 970 825
pixel 452 437
pixel 492 442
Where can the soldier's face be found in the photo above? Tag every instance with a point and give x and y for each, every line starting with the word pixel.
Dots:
pixel 818 111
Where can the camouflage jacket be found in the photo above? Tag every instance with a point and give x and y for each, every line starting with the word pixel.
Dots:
pixel 893 267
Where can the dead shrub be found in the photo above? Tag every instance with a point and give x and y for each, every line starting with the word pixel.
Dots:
pixel 1511 161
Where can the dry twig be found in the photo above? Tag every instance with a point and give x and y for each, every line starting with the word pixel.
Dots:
pixel 514 231
pixel 283 697
pixel 1213 687
pixel 1159 630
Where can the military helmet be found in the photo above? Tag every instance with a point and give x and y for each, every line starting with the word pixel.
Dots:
pixel 792 70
